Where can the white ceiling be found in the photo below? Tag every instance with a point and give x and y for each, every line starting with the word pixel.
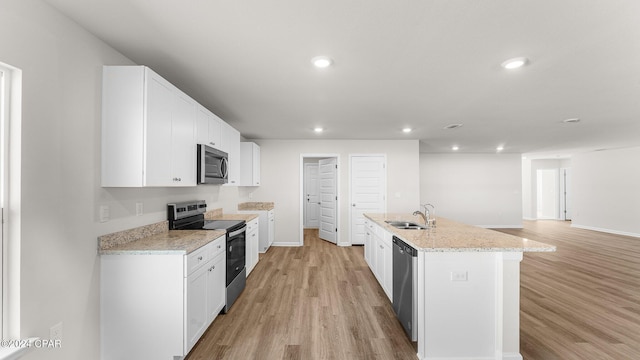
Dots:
pixel 418 63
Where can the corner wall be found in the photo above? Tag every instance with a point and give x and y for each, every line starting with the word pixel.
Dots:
pixel 606 191
pixel 476 189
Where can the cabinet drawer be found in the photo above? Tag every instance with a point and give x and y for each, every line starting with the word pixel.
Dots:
pixel 197 259
pixel 252 225
pixel 217 246
pixel 270 214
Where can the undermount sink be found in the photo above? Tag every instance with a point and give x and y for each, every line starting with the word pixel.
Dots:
pixel 405 225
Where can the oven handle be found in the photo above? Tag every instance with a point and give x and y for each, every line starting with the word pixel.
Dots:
pixel 238 232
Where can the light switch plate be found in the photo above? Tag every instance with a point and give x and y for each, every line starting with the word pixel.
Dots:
pixel 460 275
pixel 139 209
pixel 104 213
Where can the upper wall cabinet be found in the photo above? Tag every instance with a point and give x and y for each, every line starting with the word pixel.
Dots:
pixel 230 143
pixel 249 164
pixel 148 130
pixel 209 128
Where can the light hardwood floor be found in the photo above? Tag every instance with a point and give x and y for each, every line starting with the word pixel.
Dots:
pixel 583 301
pixel 322 302
pixel 319 301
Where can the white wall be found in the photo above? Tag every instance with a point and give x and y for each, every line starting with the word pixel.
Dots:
pixel 280 163
pixel 606 194
pixel 477 189
pixel 60 185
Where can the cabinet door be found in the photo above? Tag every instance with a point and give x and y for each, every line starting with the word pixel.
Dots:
pixel 209 128
pixel 230 141
pixel 380 263
pixel 256 165
pixel 183 145
pixel 367 243
pixel 387 277
pixel 160 99
pixel 272 228
pixel 197 312
pixel 215 287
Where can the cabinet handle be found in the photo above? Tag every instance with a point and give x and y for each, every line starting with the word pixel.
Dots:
pixel 211 268
pixel 381 247
pixel 219 246
pixel 199 258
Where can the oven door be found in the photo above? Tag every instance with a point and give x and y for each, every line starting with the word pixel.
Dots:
pixel 236 243
pixel 212 165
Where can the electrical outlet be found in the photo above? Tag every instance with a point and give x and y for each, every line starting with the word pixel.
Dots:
pixel 459 275
pixel 139 209
pixel 104 213
pixel 55 332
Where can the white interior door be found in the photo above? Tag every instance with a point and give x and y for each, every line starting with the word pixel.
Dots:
pixel 565 194
pixel 368 191
pixel 548 194
pixel 312 199
pixel 328 199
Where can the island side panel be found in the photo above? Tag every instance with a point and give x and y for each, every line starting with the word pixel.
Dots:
pixel 511 306
pixel 461 297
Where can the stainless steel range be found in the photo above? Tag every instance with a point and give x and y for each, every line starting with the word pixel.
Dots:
pixel 190 216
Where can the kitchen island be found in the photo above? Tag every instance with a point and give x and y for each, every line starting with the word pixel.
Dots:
pixel 468 287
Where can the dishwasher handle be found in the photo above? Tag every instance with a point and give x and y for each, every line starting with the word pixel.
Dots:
pixel 404 247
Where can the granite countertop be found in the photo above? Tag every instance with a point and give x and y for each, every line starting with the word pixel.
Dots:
pixel 245 217
pixel 155 239
pixel 256 206
pixel 452 236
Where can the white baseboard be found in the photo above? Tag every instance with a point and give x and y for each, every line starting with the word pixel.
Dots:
pixel 529 218
pixel 610 231
pixel 286 244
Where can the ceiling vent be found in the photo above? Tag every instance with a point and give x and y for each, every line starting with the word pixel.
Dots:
pixel 452 126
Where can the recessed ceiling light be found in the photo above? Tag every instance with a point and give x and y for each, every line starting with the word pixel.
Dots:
pixel 571 121
pixel 318 129
pixel 452 126
pixel 515 63
pixel 321 61
pixel 455 148
pixel 407 130
pixel 500 148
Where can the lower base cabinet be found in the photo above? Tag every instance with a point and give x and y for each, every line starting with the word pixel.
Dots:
pixel 157 306
pixel 378 253
pixel 253 241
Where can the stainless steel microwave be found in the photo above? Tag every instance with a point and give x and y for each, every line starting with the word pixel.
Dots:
pixel 213 166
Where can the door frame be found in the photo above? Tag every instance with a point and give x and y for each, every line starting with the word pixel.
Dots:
pixel 302 196
pixel 305 218
pixel 386 188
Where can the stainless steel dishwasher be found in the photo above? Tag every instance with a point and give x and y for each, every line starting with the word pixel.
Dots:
pixel 405 290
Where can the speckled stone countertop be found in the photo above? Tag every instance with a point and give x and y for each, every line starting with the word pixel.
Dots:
pixel 452 236
pixel 217 214
pixel 257 206
pixel 155 239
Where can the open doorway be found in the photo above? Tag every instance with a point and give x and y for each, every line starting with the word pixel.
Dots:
pixel 319 194
pixel 553 194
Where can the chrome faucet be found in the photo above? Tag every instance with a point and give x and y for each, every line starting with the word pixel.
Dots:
pixel 425 217
pixel 430 216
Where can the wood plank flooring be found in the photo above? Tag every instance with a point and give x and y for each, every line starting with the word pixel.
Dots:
pixel 583 301
pixel 319 301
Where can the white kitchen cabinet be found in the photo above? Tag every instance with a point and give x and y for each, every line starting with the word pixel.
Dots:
pixel 266 224
pixel 209 128
pixel 148 130
pixel 230 143
pixel 249 164
pixel 368 247
pixel 379 252
pixel 252 252
pixel 157 306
